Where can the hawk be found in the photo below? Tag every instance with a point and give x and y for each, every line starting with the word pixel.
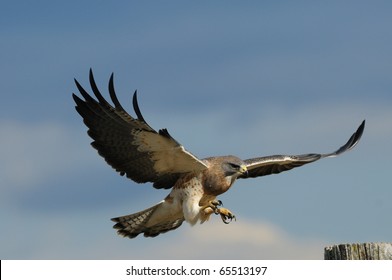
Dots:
pixel 134 149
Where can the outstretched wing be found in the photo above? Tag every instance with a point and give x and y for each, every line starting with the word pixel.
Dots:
pixel 129 144
pixel 278 163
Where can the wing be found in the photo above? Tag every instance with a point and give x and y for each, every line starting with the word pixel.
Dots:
pixel 129 144
pixel 278 163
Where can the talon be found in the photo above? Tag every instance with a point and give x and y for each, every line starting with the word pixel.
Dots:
pixel 216 203
pixel 226 215
pixel 227 219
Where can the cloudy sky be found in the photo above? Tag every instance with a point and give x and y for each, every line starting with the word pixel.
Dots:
pixel 249 78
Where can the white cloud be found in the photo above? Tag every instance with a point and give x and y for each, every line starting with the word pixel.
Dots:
pixel 244 239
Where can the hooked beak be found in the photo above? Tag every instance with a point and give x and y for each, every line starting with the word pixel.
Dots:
pixel 244 170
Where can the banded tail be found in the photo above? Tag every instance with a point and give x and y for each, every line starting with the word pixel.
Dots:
pixel 151 221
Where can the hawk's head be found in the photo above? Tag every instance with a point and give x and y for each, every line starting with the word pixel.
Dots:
pixel 222 172
pixel 233 167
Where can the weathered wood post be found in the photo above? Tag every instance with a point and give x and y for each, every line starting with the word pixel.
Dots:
pixel 359 251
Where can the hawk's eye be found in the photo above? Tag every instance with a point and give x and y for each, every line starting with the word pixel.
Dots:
pixel 234 166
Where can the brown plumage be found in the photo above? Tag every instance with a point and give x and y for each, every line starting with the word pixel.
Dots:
pixel 136 150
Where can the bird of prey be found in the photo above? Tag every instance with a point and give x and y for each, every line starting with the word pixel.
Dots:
pixel 134 149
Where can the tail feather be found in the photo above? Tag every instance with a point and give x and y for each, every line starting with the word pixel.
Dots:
pixel 134 224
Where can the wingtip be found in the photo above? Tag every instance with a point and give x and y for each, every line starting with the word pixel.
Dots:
pixel 76 82
pixel 75 97
pixel 352 142
pixel 111 83
pixel 112 93
pixel 362 126
pixel 136 107
pixel 134 98
pixel 359 133
pixel 91 76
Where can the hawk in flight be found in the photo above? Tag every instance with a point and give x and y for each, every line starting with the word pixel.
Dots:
pixel 142 154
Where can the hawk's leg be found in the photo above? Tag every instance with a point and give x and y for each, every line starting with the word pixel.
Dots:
pixel 211 207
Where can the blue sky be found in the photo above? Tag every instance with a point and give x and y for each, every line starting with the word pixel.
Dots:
pixel 249 78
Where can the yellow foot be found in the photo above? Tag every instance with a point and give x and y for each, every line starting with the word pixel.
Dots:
pixel 226 215
pixel 214 204
pixel 210 208
pixel 214 207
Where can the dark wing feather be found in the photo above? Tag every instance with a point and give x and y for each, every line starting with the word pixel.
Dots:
pixel 129 144
pixel 278 163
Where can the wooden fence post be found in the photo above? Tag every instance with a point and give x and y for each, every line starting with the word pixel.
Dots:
pixel 359 251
